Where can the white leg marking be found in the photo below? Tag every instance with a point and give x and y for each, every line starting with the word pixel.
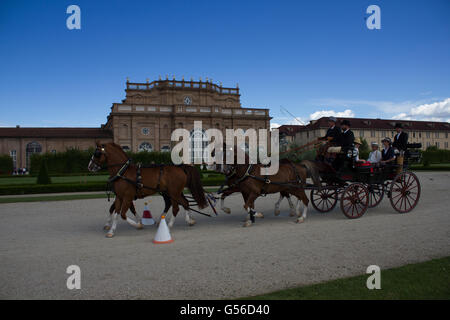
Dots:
pixel 303 217
pixel 108 222
pixel 172 221
pixel 111 231
pixel 189 220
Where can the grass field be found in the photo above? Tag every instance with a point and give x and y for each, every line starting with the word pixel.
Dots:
pixel 427 280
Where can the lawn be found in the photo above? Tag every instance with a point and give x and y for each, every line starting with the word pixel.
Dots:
pixel 427 280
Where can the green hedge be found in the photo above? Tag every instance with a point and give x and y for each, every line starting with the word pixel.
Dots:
pixel 76 187
pixel 74 161
pixel 6 164
pixel 430 156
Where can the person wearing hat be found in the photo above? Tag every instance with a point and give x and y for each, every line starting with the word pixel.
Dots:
pixel 388 154
pixel 333 133
pixel 375 154
pixel 358 144
pixel 347 137
pixel 400 139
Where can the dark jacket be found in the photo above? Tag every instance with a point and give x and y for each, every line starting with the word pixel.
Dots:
pixel 347 140
pixel 387 154
pixel 334 133
pixel 401 142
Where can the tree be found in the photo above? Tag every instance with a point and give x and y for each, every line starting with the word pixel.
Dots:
pixel 6 164
pixel 43 177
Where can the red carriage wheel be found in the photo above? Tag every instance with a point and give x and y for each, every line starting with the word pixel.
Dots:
pixel 324 200
pixel 354 200
pixel 376 194
pixel 405 192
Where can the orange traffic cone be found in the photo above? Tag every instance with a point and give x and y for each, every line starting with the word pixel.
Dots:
pixel 147 218
pixel 163 233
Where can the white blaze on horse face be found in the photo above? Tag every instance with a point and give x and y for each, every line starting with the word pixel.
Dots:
pixel 180 147
pixel 275 151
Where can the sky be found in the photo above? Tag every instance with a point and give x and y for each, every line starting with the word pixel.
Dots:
pixel 312 58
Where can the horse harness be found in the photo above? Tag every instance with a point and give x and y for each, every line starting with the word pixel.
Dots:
pixel 264 179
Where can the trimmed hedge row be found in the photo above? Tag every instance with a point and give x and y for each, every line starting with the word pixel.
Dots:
pixel 435 156
pixel 74 161
pixel 6 164
pixel 76 187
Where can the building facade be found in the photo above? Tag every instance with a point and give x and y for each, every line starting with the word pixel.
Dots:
pixel 144 120
pixel 374 130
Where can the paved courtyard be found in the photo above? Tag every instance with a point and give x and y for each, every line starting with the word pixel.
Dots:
pixel 217 258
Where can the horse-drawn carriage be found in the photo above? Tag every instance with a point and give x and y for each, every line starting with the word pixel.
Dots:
pixel 359 186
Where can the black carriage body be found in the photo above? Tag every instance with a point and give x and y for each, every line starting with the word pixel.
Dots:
pixel 359 186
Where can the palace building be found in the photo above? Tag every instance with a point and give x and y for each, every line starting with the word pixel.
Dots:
pixel 144 120
pixel 427 133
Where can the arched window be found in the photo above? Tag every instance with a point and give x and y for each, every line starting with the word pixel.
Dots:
pixel 165 149
pixel 198 141
pixel 32 147
pixel 145 146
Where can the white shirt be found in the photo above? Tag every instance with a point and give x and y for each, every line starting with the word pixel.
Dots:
pixel 374 156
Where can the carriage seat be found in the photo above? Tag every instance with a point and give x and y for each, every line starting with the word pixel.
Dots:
pixel 334 149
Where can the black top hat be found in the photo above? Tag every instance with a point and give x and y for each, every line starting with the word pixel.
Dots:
pixel 398 125
pixel 345 123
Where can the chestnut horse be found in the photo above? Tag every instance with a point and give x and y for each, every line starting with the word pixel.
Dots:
pixel 251 183
pixel 131 181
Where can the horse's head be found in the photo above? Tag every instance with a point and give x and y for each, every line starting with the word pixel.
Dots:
pixel 220 155
pixel 98 159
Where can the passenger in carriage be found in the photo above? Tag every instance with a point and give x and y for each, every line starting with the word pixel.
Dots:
pixel 388 154
pixel 375 154
pixel 358 143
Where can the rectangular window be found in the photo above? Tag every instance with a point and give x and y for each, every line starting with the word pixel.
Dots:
pixel 446 135
pixel 446 144
pixel 372 134
pixel 436 134
pixel 420 134
pixel 13 155
pixel 414 134
pixel 437 144
pixel 428 134
pixel 361 134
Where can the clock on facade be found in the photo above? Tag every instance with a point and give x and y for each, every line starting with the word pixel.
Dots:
pixel 145 131
pixel 187 100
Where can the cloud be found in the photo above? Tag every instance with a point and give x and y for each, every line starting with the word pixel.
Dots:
pixel 328 113
pixel 274 125
pixel 436 111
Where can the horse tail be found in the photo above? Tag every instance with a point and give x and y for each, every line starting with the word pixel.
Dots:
pixel 312 170
pixel 195 186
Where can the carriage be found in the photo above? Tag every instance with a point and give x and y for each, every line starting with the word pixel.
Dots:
pixel 361 186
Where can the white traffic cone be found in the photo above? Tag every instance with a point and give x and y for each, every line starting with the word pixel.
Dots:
pixel 163 233
pixel 147 218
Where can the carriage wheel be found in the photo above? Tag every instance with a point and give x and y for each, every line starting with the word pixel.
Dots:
pixel 323 200
pixel 405 192
pixel 376 194
pixel 355 200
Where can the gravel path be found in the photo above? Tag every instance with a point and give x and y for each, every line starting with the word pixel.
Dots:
pixel 216 258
